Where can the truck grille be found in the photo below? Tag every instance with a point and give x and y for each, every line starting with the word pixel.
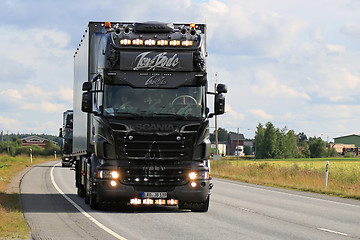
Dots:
pixel 154 159
pixel 153 175
pixel 171 146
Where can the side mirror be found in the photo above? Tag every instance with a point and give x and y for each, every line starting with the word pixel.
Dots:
pixel 219 104
pixel 221 88
pixel 86 104
pixel 86 86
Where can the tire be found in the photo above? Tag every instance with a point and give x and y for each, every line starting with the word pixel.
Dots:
pixel 202 206
pixel 81 191
pixel 94 204
pixel 87 196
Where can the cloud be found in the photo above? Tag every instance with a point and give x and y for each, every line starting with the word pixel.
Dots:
pixel 351 30
pixel 233 29
pixel 233 114
pixel 65 94
pixel 268 85
pixel 260 113
pixel 335 49
pixel 31 98
pixel 9 123
pixel 11 95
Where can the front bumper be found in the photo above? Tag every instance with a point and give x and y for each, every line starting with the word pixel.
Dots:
pixel 185 193
pixel 66 160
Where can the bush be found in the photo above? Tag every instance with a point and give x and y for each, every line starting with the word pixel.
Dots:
pixel 349 155
pixel 15 149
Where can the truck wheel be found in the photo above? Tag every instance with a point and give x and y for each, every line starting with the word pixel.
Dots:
pixel 94 204
pixel 81 191
pixel 201 207
pixel 87 194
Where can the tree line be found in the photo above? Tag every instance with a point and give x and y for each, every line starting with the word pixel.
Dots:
pixel 13 146
pixel 271 142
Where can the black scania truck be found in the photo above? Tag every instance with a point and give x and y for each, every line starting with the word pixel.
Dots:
pixel 141 122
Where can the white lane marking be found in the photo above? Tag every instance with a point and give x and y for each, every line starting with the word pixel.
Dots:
pixel 335 232
pixel 290 194
pixel 82 211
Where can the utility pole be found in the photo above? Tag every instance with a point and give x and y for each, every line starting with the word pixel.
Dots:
pixel 236 147
pixel 8 150
pixel 216 128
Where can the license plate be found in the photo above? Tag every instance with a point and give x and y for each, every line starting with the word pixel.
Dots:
pixel 154 194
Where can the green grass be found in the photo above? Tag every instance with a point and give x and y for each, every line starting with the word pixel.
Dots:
pixel 12 223
pixel 298 174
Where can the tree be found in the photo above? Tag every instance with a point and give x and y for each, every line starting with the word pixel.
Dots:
pixel 304 149
pixel 222 134
pixel 270 141
pixel 291 149
pixel 301 137
pixel 259 139
pixel 317 148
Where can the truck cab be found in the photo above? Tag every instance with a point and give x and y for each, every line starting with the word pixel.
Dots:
pixel 144 102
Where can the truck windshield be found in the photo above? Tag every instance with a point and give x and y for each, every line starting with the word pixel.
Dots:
pixel 67 133
pixel 121 100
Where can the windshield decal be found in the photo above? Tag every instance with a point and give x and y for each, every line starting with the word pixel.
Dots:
pixel 144 61
pixel 156 61
pixel 155 81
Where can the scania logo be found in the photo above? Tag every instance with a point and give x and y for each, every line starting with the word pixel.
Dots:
pixel 155 127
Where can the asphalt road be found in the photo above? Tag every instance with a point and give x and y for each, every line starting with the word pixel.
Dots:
pixel 237 211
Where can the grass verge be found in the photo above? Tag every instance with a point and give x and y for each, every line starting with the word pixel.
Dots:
pixel 298 174
pixel 13 224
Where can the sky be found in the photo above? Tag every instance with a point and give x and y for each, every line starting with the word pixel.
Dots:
pixel 295 63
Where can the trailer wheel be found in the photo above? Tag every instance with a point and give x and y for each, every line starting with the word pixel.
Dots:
pixel 201 207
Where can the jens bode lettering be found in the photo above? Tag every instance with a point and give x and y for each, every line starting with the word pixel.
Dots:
pixel 145 61
pixel 156 81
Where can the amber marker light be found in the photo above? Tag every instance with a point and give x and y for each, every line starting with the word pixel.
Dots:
pixel 107 24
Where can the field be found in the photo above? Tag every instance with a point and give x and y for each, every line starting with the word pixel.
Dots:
pixel 298 174
pixel 12 224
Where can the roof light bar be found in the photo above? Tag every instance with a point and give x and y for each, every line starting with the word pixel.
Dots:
pixel 150 42
pixel 137 42
pixel 187 43
pixel 162 42
pixel 174 43
pixel 125 42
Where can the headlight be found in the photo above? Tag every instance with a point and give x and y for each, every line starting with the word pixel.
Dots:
pixel 192 175
pixel 109 174
pixel 199 175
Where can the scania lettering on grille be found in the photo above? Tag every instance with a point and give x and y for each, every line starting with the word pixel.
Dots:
pixel 155 127
pixel 163 61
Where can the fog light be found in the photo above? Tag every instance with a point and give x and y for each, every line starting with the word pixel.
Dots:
pixel 113 183
pixel 148 201
pixel 172 202
pixel 160 202
pixel 193 184
pixel 135 201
